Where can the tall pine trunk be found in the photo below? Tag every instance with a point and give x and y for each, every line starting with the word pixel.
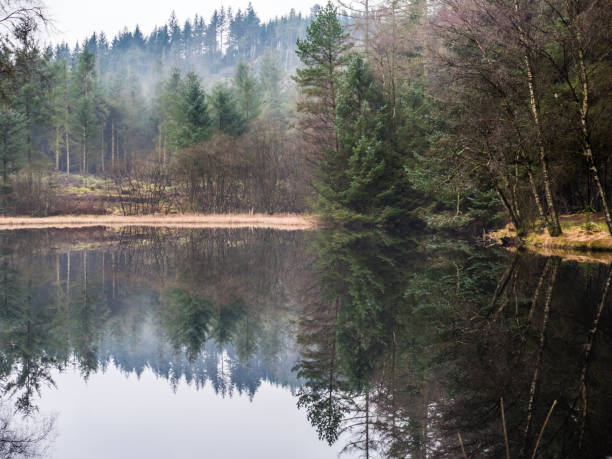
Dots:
pixel 57 147
pixel 113 144
pixel 102 149
pixel 67 132
pixel 84 165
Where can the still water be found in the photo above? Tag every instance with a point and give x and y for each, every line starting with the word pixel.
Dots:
pixel 142 343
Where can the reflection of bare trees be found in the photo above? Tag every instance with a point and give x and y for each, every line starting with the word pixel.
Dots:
pixel 540 351
pixel 522 328
pixel 24 439
pixel 588 349
pixel 533 361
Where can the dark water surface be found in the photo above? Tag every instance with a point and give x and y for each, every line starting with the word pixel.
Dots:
pixel 143 343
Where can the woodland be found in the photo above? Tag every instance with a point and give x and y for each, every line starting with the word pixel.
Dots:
pixel 447 114
pixel 382 120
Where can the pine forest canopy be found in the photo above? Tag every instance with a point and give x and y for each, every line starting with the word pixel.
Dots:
pixel 106 105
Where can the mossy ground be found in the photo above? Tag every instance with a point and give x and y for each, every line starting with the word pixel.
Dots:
pixel 585 235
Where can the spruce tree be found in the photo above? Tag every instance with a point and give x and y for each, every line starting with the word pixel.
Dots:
pixel 227 117
pixel 248 98
pixel 195 124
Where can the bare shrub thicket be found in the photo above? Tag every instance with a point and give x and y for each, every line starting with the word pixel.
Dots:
pixel 140 189
pixel 258 172
pixel 29 193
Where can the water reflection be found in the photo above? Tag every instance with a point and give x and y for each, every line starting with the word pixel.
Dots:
pixel 19 439
pixel 392 347
pixel 411 350
pixel 205 306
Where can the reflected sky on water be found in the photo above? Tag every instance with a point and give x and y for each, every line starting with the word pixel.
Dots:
pixel 260 343
pixel 126 416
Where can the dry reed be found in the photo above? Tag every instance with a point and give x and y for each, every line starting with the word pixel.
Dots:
pixel 279 221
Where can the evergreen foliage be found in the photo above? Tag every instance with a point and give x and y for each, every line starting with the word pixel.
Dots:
pixel 228 119
pixel 361 178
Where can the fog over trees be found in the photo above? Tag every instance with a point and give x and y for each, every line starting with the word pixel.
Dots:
pixel 455 114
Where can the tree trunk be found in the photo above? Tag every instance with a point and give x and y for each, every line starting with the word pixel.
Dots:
pixel 588 152
pixel 113 144
pixel 367 28
pixel 84 165
pixel 159 148
pixel 57 147
pixel 542 343
pixel 554 228
pixel 67 132
pixel 509 208
pixel 536 197
pixel 102 149
pixel 584 110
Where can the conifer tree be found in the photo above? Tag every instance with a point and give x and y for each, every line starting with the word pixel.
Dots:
pixel 12 141
pixel 195 124
pixel 227 117
pixel 322 54
pixel 85 88
pixel 270 75
pixel 247 94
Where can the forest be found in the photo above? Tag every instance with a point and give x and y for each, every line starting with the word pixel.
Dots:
pixel 449 114
pixel 399 131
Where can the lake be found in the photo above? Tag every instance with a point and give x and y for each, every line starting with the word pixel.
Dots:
pixel 233 343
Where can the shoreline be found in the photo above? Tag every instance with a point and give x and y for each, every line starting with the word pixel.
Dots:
pixel 585 238
pixel 288 222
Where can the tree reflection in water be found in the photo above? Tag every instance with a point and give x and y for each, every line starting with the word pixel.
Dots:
pixel 394 347
pixel 203 306
pixel 405 347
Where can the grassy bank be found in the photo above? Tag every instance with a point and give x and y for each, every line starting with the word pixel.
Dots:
pixel 584 232
pixel 279 221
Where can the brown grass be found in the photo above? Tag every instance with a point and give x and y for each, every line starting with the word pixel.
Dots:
pixel 585 238
pixel 279 221
pixel 572 239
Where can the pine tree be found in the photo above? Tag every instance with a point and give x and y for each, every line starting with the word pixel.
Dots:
pixel 194 120
pixel 169 108
pixel 85 99
pixel 227 117
pixel 270 77
pixel 31 93
pixel 12 141
pixel 322 54
pixel 247 94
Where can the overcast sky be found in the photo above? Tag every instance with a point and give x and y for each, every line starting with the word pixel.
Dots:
pixel 76 19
